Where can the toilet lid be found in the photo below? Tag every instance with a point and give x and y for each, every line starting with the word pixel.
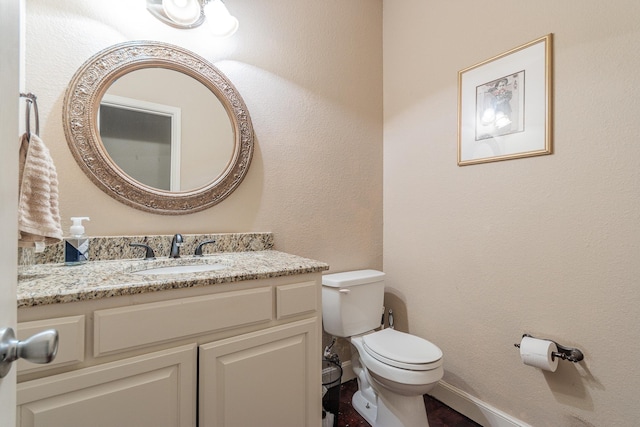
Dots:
pixel 403 350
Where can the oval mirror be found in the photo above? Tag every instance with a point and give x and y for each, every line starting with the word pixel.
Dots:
pixel 158 127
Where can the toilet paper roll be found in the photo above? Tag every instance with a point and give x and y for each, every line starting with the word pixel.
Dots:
pixel 538 353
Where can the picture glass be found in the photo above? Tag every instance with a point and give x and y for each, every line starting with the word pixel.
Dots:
pixel 500 106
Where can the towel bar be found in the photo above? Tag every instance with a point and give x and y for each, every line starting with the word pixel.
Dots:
pixel 31 99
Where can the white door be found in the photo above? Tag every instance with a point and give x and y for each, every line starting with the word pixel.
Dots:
pixel 9 103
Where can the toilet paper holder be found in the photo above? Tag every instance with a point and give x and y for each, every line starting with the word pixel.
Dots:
pixel 565 353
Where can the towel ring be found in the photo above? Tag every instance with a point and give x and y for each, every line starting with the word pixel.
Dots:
pixel 31 99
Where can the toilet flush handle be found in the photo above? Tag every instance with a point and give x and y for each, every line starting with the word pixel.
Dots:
pixel 344 290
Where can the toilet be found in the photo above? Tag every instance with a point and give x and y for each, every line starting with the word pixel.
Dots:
pixel 394 369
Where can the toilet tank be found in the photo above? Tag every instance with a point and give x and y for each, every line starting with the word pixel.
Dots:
pixel 352 302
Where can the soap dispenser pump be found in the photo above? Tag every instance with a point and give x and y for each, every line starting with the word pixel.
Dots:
pixel 76 245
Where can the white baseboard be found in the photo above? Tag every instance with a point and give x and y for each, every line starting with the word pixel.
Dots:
pixel 473 408
pixel 460 401
pixel 347 371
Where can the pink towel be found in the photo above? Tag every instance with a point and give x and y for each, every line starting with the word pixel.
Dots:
pixel 38 210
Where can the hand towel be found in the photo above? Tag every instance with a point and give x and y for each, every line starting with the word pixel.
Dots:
pixel 38 209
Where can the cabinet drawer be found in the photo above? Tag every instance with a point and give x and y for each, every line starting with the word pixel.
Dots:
pixel 123 328
pixel 297 298
pixel 70 341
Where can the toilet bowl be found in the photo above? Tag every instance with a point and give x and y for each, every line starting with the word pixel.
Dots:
pixel 394 369
pixel 399 368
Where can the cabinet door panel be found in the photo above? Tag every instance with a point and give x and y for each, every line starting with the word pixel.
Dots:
pixel 155 390
pixel 270 377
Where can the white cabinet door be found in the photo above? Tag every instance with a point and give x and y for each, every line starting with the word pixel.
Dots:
pixel 154 390
pixel 265 378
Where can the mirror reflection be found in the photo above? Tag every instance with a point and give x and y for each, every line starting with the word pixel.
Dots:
pixel 165 129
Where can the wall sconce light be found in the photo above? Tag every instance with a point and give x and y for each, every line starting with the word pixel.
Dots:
pixel 186 14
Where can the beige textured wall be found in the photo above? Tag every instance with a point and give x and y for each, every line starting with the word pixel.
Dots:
pixel 549 245
pixel 311 75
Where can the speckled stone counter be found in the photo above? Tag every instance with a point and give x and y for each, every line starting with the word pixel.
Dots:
pixel 57 283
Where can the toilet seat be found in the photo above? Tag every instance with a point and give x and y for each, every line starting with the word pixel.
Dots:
pixel 402 350
pixel 387 373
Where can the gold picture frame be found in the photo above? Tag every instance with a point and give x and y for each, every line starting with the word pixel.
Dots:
pixel 505 105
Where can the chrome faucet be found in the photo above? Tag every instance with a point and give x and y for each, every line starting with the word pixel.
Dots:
pixel 175 246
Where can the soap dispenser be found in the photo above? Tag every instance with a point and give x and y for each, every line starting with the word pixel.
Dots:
pixel 76 245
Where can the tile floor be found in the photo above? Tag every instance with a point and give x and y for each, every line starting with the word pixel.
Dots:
pixel 439 415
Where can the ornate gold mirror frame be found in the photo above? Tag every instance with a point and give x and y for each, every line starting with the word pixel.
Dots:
pixel 80 119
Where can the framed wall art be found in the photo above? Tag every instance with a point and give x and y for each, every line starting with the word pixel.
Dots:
pixel 505 105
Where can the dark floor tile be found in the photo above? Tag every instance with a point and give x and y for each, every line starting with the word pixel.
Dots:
pixel 439 414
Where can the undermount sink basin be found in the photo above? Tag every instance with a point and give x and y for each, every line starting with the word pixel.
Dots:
pixel 182 269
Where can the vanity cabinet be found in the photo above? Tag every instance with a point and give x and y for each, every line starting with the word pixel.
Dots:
pixel 226 355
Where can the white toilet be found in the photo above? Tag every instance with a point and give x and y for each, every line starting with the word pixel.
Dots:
pixel 394 369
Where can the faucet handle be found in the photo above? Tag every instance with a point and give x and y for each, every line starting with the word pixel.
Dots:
pixel 149 252
pixel 198 251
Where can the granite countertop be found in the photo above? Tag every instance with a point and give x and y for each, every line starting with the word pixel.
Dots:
pixel 44 284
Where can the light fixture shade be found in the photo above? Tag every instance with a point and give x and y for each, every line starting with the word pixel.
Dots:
pixel 182 12
pixel 187 14
pixel 221 23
